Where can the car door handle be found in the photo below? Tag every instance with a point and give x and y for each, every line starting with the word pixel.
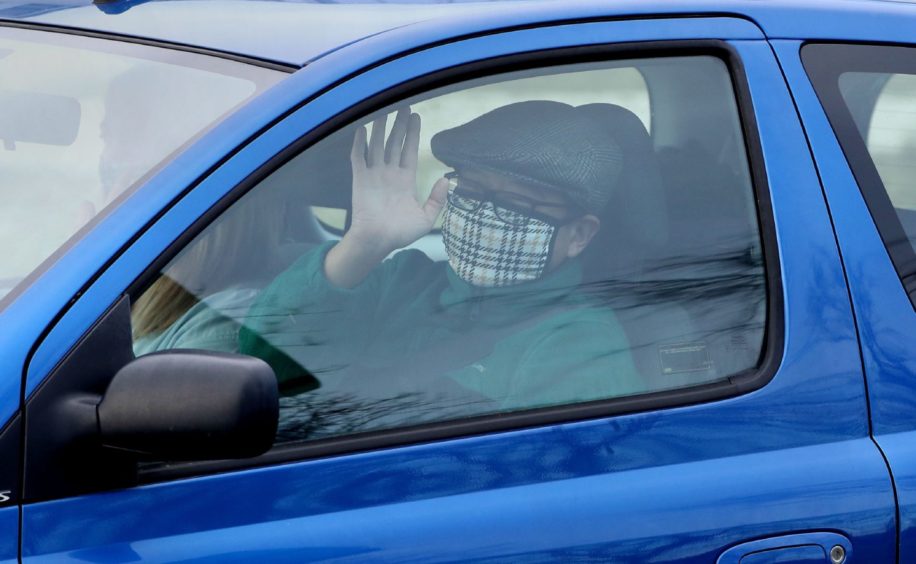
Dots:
pixel 803 548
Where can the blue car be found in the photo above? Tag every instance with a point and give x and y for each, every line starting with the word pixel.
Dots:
pixel 508 281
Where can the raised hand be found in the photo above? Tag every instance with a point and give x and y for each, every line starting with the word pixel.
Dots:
pixel 386 213
pixel 385 206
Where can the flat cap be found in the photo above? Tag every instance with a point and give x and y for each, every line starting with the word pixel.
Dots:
pixel 542 143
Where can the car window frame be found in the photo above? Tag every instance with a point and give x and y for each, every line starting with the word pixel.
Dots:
pixel 824 62
pixel 737 384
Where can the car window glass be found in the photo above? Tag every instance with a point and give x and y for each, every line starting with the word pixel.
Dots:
pixel 520 241
pixel 867 92
pixel 887 122
pixel 890 134
pixel 82 119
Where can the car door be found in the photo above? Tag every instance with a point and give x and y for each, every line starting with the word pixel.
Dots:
pixel 862 133
pixel 748 441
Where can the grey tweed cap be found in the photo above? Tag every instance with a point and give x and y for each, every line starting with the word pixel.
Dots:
pixel 543 143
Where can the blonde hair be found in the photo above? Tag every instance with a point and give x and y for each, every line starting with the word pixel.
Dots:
pixel 161 305
pixel 237 249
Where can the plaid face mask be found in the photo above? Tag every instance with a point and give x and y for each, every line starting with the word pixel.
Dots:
pixel 487 251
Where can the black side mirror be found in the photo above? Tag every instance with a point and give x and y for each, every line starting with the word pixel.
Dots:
pixel 191 405
pixel 101 410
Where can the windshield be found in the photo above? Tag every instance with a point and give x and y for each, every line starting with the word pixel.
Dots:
pixel 83 119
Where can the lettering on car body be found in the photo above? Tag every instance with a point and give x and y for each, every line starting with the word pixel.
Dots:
pixel 5 496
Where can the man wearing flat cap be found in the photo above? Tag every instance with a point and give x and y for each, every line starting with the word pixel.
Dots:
pixel 501 325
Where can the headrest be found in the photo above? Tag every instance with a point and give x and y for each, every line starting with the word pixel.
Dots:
pixel 638 205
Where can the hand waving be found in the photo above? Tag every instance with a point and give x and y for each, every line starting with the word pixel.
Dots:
pixel 385 207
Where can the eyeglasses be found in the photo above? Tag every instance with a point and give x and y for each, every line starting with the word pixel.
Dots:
pixel 509 207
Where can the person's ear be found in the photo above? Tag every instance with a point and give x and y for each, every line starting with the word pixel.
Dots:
pixel 581 232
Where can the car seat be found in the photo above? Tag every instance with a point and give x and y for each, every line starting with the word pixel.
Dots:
pixel 621 260
pixel 713 255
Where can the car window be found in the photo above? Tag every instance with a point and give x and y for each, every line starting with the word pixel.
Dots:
pixel 82 119
pixel 540 238
pixel 890 134
pixel 868 93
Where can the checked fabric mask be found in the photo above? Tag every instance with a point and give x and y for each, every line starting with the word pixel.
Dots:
pixel 488 252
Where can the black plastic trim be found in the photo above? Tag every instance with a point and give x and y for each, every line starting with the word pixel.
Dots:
pixel 736 385
pixel 824 63
pixel 63 456
pixel 10 458
pixel 175 46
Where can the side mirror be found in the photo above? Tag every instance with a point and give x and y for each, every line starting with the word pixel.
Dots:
pixel 191 405
pixel 102 409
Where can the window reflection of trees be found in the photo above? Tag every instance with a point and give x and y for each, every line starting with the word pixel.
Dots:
pixel 724 294
pixel 316 415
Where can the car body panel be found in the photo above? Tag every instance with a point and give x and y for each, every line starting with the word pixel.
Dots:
pixel 372 507
pixel 693 474
pixel 885 316
pixel 901 456
pixel 9 534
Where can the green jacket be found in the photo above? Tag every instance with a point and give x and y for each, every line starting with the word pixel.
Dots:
pixel 414 327
pixel 212 324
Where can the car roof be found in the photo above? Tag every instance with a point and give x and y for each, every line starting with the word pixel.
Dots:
pixel 295 32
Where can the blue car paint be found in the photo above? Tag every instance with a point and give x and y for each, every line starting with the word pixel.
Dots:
pixel 288 33
pixel 430 502
pixel 764 463
pixel 885 316
pixel 9 535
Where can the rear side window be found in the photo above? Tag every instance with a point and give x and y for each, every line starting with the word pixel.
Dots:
pixel 869 93
pixel 532 240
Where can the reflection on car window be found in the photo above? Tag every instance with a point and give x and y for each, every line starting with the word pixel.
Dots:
pixel 82 119
pixel 530 251
pixel 890 135
pixel 868 93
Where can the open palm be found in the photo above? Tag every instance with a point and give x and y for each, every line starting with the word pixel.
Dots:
pixel 385 206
